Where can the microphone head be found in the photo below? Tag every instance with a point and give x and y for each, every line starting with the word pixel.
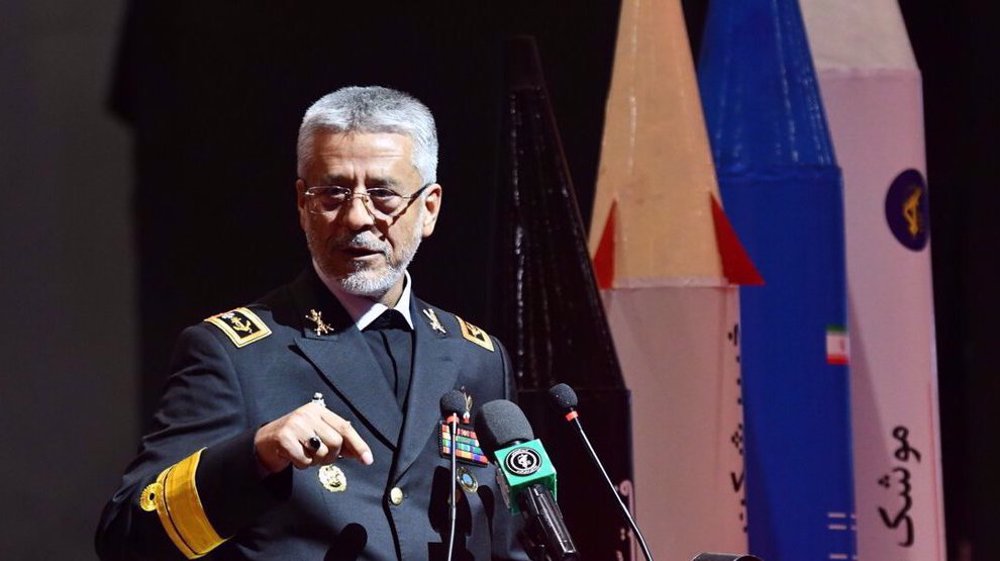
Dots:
pixel 501 423
pixel 563 396
pixel 452 402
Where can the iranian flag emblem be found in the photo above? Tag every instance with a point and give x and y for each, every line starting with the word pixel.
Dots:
pixel 837 351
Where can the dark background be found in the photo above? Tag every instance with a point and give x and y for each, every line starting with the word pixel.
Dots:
pixel 147 160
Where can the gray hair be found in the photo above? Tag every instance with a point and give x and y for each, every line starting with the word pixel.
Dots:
pixel 372 109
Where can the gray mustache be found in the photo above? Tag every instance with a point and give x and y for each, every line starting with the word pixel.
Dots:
pixel 364 242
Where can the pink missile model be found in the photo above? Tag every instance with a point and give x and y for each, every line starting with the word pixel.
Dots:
pixel 871 90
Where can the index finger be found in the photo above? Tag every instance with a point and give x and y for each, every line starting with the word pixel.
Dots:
pixel 353 444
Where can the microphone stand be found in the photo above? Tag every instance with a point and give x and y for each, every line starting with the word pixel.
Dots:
pixel 452 507
pixel 573 417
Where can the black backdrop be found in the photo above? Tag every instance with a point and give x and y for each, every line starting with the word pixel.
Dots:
pixel 214 92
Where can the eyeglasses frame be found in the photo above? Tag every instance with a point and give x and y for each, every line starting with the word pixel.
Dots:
pixel 366 199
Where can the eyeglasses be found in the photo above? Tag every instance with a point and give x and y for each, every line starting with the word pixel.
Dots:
pixel 382 201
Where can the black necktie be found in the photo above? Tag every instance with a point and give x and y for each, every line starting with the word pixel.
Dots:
pixel 391 341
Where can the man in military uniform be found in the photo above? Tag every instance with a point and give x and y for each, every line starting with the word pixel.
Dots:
pixel 306 425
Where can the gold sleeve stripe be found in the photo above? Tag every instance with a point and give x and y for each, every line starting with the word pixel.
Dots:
pixel 166 522
pixel 181 512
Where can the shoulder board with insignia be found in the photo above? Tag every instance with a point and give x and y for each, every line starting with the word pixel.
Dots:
pixel 241 326
pixel 475 334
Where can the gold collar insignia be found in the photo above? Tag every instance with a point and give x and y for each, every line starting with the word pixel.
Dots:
pixel 322 328
pixel 434 321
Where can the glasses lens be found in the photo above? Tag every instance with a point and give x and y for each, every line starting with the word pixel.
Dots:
pixel 327 199
pixel 385 201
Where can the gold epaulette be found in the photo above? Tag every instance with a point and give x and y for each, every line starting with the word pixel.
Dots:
pixel 174 497
pixel 241 326
pixel 475 334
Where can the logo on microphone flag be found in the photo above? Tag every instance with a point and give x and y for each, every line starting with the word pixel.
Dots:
pixel 523 461
pixel 521 466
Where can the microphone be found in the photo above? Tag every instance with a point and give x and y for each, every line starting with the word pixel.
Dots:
pixel 452 404
pixel 526 477
pixel 565 398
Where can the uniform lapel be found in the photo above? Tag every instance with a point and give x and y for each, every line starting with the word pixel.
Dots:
pixel 434 373
pixel 343 358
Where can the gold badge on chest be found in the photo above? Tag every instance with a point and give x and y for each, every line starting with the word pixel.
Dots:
pixel 333 479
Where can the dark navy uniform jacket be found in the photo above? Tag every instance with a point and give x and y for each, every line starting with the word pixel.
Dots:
pixel 240 370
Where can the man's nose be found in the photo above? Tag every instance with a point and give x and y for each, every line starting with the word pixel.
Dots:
pixel 356 213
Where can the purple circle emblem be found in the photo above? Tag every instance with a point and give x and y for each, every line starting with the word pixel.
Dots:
pixel 906 210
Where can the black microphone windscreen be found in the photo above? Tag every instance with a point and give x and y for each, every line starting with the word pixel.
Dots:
pixel 500 423
pixel 452 402
pixel 563 396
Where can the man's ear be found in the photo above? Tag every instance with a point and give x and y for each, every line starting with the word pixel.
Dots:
pixel 432 206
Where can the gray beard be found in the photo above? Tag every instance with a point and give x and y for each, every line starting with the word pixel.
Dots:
pixel 370 284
